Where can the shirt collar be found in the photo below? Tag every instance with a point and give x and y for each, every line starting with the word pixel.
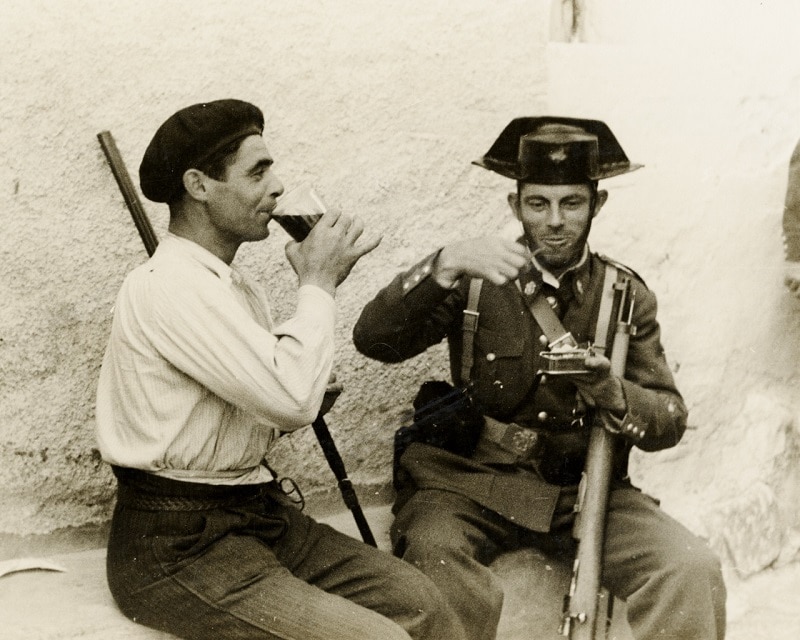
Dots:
pixel 555 281
pixel 200 254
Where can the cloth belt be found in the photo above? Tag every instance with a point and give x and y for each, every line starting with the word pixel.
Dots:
pixel 144 491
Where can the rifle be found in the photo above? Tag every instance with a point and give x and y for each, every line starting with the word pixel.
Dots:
pixel 150 241
pixel 587 607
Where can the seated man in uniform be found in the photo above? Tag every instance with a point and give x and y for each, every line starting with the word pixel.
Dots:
pixel 196 384
pixel 512 481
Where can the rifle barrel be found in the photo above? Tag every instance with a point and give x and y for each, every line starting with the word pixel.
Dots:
pixel 135 207
pixel 582 616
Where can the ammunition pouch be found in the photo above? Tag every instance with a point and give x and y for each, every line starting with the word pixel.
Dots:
pixel 444 416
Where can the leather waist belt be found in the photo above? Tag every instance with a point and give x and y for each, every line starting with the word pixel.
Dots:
pixel 529 442
pixel 522 442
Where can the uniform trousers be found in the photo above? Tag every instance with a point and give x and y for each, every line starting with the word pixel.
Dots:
pixel 259 569
pixel 670 579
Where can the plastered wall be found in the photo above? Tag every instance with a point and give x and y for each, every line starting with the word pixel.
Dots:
pixel 707 96
pixel 382 106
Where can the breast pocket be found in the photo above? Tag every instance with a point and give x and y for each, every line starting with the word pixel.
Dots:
pixel 501 376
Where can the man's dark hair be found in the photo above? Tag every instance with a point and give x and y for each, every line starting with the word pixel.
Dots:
pixel 216 165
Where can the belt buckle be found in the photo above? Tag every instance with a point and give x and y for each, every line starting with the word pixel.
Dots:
pixel 519 440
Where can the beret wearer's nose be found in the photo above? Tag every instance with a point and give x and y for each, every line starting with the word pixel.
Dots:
pixel 191 136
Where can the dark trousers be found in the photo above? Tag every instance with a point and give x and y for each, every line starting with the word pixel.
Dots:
pixel 670 579
pixel 256 567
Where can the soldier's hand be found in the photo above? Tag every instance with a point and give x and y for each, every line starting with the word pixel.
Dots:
pixel 791 277
pixel 332 248
pixel 599 388
pixel 497 260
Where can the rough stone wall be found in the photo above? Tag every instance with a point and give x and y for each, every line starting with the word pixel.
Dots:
pixel 380 105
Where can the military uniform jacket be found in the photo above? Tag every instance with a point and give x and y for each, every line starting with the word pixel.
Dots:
pixel 414 312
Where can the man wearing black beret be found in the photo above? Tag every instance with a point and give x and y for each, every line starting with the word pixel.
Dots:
pixel 198 381
pixel 531 327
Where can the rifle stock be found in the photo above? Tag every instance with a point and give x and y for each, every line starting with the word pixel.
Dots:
pixel 587 605
pixel 150 241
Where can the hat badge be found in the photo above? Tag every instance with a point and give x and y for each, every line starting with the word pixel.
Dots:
pixel 558 155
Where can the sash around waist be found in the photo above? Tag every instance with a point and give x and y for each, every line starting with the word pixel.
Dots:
pixel 139 489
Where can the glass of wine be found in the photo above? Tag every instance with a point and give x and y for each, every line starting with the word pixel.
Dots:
pixel 298 210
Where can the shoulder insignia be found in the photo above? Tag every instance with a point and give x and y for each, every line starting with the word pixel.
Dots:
pixel 418 273
pixel 621 267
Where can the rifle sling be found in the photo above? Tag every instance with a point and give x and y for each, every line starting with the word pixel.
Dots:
pixel 469 329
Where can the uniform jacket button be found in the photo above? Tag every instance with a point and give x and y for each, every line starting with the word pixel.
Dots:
pixel 490 357
pixel 542 416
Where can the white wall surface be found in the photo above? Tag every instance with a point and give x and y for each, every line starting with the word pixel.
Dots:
pixel 381 105
pixel 707 96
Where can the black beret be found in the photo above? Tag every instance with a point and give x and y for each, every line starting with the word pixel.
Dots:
pixel 556 150
pixel 191 136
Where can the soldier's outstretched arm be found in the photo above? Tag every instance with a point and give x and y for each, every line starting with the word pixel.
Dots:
pixel 497 260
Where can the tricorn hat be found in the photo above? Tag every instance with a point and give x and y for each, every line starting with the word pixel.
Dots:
pixel 556 150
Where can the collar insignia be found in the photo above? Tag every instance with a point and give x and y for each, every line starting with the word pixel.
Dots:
pixel 530 288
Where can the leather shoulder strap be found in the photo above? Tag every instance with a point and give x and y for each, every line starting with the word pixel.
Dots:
pixel 544 315
pixel 548 321
pixel 606 308
pixel 469 328
pixel 551 326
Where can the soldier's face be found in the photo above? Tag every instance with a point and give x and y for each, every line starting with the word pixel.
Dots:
pixel 557 220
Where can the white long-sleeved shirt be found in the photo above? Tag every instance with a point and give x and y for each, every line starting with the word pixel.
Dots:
pixel 196 381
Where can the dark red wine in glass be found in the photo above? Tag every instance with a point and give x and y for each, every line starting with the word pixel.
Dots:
pixel 298 227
